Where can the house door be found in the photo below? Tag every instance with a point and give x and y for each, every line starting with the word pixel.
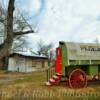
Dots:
pixel 21 66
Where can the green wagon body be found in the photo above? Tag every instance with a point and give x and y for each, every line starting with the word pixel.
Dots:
pixel 82 55
pixel 77 63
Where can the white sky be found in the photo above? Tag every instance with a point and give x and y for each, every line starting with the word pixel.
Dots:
pixel 71 20
pixel 66 20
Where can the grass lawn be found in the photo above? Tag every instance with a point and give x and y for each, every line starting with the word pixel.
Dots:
pixel 21 86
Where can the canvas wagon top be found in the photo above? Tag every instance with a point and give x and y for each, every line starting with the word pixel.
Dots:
pixel 81 51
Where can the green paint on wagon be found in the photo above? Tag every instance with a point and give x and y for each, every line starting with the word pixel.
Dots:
pixel 93 70
pixel 91 65
pixel 64 56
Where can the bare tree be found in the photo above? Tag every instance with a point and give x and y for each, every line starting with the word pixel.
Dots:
pixel 9 31
pixel 96 41
pixel 46 50
pixel 20 24
pixel 43 48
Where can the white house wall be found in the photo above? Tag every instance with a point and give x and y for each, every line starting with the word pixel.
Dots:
pixel 23 64
pixel 12 65
pixel 28 65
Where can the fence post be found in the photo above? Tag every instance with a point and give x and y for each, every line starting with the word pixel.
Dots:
pixel 47 74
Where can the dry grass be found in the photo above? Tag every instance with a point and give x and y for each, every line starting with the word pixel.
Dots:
pixel 31 87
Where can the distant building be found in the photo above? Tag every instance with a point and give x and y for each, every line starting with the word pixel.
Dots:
pixel 27 62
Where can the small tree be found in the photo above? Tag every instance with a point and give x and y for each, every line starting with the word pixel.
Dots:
pixel 96 41
pixel 45 50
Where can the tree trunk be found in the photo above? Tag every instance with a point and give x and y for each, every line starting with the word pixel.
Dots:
pixel 6 46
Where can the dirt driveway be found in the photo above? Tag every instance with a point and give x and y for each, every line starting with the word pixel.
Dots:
pixel 8 77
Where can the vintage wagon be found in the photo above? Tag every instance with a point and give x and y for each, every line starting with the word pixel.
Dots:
pixel 76 63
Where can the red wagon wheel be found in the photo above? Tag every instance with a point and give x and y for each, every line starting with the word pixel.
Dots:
pixel 77 79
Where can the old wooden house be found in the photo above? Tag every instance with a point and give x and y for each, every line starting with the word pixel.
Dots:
pixel 21 62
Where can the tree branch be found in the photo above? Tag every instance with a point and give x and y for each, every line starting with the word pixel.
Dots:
pixel 1 20
pixel 22 33
pixel 1 46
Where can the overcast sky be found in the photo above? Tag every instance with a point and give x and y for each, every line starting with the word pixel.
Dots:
pixel 66 20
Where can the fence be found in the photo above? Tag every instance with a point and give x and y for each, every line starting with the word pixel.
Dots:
pixel 50 72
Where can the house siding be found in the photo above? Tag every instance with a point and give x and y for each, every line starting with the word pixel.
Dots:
pixel 25 64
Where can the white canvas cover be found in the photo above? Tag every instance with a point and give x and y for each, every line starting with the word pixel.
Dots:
pixel 83 51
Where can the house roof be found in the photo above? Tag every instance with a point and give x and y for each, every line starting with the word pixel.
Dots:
pixel 29 54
